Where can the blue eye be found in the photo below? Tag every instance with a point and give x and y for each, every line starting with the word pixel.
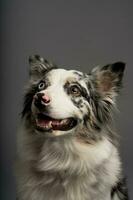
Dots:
pixel 41 85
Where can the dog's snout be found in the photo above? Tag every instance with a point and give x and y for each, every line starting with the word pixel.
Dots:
pixel 45 99
pixel 41 99
pixel 39 96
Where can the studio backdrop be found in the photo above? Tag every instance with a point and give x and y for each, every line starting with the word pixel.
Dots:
pixel 73 34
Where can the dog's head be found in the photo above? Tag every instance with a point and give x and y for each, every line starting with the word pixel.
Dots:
pixel 59 101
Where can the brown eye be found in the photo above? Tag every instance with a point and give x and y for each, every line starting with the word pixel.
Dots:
pixel 74 89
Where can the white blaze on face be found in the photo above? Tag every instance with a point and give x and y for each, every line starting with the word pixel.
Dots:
pixel 61 103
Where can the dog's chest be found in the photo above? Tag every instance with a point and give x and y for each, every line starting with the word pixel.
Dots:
pixel 76 192
pixel 88 177
pixel 69 171
pixel 56 187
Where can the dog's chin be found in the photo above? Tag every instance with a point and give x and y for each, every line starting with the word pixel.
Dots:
pixel 51 126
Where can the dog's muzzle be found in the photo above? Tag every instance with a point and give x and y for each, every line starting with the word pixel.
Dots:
pixel 41 100
pixel 44 121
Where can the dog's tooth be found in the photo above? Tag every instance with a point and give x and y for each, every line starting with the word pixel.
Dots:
pixel 55 122
pixel 64 121
pixel 50 124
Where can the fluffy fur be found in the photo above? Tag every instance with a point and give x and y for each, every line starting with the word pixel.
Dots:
pixel 76 162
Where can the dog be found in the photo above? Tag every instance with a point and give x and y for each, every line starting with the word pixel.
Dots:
pixel 66 147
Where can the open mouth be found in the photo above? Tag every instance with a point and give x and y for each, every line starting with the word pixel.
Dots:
pixel 47 123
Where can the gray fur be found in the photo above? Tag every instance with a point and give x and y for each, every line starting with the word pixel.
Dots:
pixel 83 164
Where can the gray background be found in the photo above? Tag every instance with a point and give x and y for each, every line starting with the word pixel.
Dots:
pixel 71 33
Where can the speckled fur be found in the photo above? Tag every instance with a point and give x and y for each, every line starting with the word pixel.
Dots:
pixel 82 164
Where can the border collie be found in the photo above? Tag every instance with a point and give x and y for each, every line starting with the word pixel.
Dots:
pixel 67 149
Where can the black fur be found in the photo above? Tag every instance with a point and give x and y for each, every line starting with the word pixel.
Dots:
pixel 28 100
pixel 95 107
pixel 120 190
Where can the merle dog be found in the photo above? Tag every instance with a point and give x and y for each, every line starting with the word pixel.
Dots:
pixel 66 147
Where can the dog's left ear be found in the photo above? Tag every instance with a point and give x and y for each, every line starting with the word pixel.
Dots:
pixel 38 66
pixel 108 79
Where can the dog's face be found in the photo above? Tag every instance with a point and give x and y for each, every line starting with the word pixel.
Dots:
pixel 60 101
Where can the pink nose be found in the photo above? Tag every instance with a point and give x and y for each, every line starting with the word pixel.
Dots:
pixel 46 99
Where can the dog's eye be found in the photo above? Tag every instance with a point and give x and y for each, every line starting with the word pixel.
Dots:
pixel 41 85
pixel 74 89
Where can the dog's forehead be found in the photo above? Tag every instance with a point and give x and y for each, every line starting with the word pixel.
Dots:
pixel 63 75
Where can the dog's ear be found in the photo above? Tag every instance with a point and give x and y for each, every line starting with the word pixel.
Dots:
pixel 38 66
pixel 108 79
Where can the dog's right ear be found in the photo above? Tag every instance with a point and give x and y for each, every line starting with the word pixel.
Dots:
pixel 39 66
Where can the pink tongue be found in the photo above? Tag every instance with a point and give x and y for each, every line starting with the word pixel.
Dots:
pixel 55 123
pixel 43 122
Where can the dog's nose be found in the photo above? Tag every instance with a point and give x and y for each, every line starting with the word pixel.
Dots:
pixel 45 99
pixel 41 99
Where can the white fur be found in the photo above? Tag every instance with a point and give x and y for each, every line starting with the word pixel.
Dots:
pixel 64 167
